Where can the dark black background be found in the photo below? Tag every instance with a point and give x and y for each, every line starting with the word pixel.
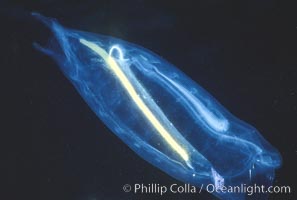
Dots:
pixel 242 52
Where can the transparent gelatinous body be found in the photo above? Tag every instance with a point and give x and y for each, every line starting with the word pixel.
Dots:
pixel 160 113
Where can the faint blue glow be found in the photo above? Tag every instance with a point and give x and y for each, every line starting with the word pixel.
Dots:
pixel 198 109
pixel 160 113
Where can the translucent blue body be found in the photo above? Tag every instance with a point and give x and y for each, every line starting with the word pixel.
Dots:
pixel 160 113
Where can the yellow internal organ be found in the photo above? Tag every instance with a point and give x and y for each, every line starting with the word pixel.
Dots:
pixel 135 97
